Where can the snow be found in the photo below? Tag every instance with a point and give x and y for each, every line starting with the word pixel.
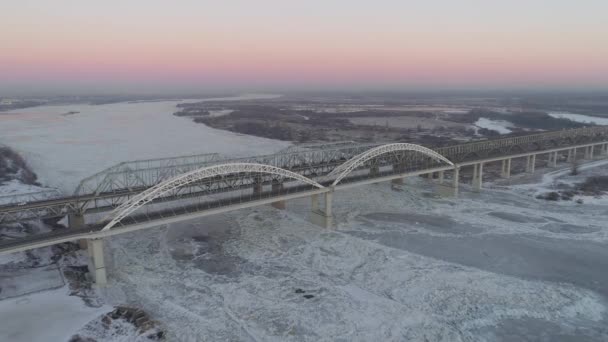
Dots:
pixel 234 276
pixel 15 187
pixel 221 112
pixel 501 126
pixel 580 118
pixel 19 281
pixel 551 180
pixel 62 150
pixel 45 316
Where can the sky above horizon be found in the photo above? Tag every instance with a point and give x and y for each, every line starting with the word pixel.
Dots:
pixel 159 46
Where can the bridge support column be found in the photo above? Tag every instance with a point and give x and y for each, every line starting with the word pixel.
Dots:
pixel 97 266
pixel 314 202
pixel 76 221
pixel 589 152
pixel 440 176
pixel 278 204
pixel 322 217
pixel 506 168
pixel 605 149
pixel 398 168
pixel 456 180
pixel 478 177
pixel 257 186
pixel 446 189
pixel 571 154
pixel 552 159
pixel 531 164
pixel 374 170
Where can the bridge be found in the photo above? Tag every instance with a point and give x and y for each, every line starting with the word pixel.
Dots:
pixel 149 193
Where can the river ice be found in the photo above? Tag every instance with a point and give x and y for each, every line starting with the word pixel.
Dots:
pixel 401 266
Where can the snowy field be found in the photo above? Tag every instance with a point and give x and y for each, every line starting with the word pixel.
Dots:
pixel 500 126
pixel 580 118
pixel 401 264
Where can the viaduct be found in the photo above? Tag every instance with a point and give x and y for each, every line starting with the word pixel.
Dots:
pixel 149 193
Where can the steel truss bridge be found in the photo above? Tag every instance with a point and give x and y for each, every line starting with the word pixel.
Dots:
pixel 146 193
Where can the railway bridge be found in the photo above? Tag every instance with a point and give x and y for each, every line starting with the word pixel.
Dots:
pixel 148 193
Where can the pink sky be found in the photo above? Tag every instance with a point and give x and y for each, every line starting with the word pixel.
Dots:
pixel 331 44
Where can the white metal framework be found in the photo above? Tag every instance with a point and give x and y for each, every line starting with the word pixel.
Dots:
pixel 160 189
pixel 343 170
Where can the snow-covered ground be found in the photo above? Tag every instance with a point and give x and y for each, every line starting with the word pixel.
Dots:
pixel 580 118
pixel 45 316
pixel 501 126
pixel 63 149
pixel 556 180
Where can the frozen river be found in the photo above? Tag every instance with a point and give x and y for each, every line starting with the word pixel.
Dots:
pixel 63 149
pixel 400 265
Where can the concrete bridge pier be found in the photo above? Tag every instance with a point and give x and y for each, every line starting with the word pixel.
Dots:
pixel 440 176
pixel 446 189
pixel 552 162
pixel 531 163
pixel 76 221
pixel 398 168
pixel 374 171
pixel 506 168
pixel 589 152
pixel 604 149
pixel 97 266
pixel 257 186
pixel 571 155
pixel 477 177
pixel 322 217
pixel 276 186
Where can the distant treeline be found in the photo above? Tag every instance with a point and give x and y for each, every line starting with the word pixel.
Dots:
pixel 13 166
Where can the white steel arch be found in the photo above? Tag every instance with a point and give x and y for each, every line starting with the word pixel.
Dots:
pixel 162 188
pixel 344 169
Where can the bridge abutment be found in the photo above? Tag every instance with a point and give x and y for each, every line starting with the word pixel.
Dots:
pixel 97 266
pixel 322 217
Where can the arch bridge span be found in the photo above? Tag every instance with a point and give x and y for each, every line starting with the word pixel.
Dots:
pixel 169 185
pixel 359 160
